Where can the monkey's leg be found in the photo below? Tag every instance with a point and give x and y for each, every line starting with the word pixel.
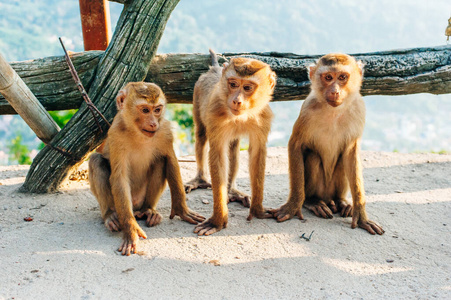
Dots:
pixel 155 187
pixel 315 187
pixel 218 173
pixel 353 170
pixel 233 193
pixel 99 181
pixel 257 164
pixel 339 189
pixel 199 182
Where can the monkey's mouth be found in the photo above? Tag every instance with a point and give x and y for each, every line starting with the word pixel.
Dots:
pixel 334 103
pixel 149 132
pixel 236 112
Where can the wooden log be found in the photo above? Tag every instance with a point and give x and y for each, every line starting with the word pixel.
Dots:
pixel 25 103
pixel 399 72
pixel 132 48
pixel 51 82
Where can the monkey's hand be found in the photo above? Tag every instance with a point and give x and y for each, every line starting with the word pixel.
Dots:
pixel 186 215
pixel 152 217
pixel 259 213
pixel 286 212
pixel 197 183
pixel 132 233
pixel 362 221
pixel 211 226
pixel 238 196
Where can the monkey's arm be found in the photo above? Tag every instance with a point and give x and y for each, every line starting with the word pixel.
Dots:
pixel 353 171
pixel 123 204
pixel 296 198
pixel 178 196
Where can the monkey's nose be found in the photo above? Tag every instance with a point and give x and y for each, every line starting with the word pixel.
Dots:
pixel 237 102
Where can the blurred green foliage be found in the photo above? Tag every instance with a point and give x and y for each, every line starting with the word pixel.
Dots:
pixel 62 117
pixel 18 151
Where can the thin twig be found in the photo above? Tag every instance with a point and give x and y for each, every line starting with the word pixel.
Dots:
pixel 307 238
pixel 82 90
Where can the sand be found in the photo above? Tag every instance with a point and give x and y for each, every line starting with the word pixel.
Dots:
pixel 65 252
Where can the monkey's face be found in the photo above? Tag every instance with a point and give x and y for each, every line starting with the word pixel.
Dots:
pixel 334 87
pixel 147 118
pixel 240 93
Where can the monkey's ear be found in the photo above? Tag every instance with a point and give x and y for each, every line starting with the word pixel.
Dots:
pixel 272 80
pixel 120 99
pixel 360 64
pixel 311 71
pixel 224 67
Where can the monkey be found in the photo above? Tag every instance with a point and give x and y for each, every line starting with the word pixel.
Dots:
pixel 324 147
pixel 230 102
pixel 129 174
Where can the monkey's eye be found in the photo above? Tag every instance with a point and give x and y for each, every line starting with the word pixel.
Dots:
pixel 342 77
pixel 157 110
pixel 234 85
pixel 145 110
pixel 328 77
pixel 248 88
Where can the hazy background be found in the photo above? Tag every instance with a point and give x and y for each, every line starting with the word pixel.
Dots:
pixel 29 29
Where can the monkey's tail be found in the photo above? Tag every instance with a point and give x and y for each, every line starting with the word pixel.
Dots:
pixel 214 58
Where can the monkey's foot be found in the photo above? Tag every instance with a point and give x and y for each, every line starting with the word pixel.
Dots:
pixel 112 222
pixel 238 196
pixel 286 212
pixel 370 226
pixel 343 206
pixel 152 217
pixel 197 183
pixel 210 226
pixel 259 213
pixel 130 239
pixel 321 209
pixel 187 215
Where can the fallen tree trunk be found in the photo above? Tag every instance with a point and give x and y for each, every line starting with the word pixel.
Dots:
pixel 399 72
pixel 132 48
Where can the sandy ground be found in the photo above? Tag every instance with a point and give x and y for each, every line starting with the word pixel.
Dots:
pixel 65 252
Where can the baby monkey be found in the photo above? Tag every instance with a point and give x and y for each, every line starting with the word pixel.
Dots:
pixel 130 173
pixel 324 147
pixel 229 102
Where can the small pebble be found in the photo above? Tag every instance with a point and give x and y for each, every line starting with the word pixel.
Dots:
pixel 214 262
pixel 389 260
pixel 28 219
pixel 205 201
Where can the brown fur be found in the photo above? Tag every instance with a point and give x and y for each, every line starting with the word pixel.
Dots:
pixel 222 114
pixel 323 150
pixel 137 159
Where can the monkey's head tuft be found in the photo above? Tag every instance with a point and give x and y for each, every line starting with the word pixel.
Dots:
pixel 246 66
